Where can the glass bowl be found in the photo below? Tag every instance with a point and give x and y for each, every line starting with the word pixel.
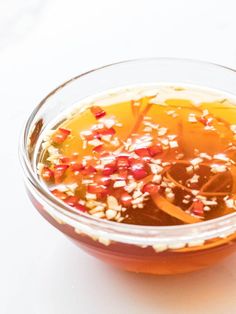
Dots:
pixel 155 250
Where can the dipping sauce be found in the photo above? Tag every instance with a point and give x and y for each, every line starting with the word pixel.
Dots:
pixel 156 158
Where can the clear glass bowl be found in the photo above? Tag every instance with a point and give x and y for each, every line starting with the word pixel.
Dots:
pixel 156 250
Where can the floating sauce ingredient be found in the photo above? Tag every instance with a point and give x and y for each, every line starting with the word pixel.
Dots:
pixel 145 161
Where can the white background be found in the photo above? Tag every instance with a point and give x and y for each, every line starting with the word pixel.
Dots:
pixel 42 44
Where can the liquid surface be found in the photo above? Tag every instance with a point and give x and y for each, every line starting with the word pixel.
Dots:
pixel 150 160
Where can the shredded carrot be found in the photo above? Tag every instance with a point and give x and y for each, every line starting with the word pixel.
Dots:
pixel 180 135
pixel 150 177
pixel 176 211
pixel 214 193
pixel 147 179
pixel 173 210
pixel 209 182
pixel 135 109
pixel 233 174
pixel 136 125
pixel 181 186
pixel 204 187
pixel 140 119
pixel 199 109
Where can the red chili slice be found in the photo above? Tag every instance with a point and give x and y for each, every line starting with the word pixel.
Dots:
pixel 197 208
pixel 77 167
pixel 138 170
pixel 87 170
pixel 151 188
pixel 98 149
pixel 96 134
pixel 81 208
pixel 103 194
pixel 105 154
pixel 106 131
pixel 126 199
pixel 97 189
pixel 71 200
pixel 123 162
pixel 155 150
pixel 60 135
pixel 111 167
pixel 123 173
pixel 59 194
pixel 59 171
pixel 64 160
pixel 108 170
pixel 205 121
pixel 47 174
pixel 142 152
pixel 103 180
pixel 90 135
pixel 98 112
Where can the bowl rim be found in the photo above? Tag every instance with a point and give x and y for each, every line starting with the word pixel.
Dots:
pixel 206 228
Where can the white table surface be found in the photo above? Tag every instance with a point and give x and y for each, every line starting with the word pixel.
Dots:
pixel 44 44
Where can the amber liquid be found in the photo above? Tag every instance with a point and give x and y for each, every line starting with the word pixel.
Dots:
pixel 145 260
pixel 192 138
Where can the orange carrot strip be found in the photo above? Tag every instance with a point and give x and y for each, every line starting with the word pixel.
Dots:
pixel 201 192
pixel 214 193
pixel 136 125
pixel 233 173
pixel 140 118
pixel 209 182
pixel 173 210
pixel 183 187
pixel 135 109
